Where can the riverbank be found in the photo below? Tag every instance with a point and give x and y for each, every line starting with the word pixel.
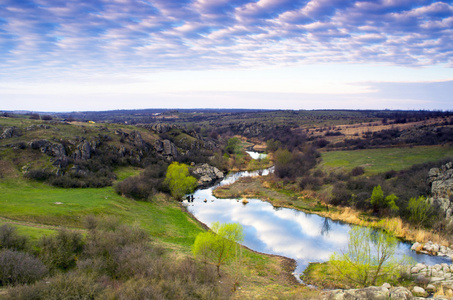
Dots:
pixel 306 201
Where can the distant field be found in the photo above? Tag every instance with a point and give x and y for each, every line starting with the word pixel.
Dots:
pixel 382 160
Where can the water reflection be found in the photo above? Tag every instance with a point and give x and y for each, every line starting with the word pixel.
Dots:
pixel 287 232
pixel 256 155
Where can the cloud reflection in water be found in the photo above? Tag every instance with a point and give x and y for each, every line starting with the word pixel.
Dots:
pixel 282 231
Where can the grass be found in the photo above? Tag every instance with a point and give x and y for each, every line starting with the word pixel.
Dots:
pixel 382 160
pixel 125 172
pixel 38 203
pixel 33 208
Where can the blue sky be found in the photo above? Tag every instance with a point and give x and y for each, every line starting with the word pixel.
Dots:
pixel 73 55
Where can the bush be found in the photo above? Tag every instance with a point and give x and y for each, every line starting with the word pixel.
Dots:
pixel 20 268
pixel 66 286
pixel 61 251
pixel 310 183
pixel 9 239
pixel 357 171
pixel 145 185
pixel 39 174
pixel 108 248
pixel 340 195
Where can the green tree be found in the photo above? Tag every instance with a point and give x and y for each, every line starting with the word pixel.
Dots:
pixel 272 145
pixel 233 146
pixel 179 181
pixel 367 259
pixel 379 202
pixel 420 211
pixel 218 245
pixel 377 198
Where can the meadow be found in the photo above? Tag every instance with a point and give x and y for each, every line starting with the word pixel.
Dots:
pixel 376 161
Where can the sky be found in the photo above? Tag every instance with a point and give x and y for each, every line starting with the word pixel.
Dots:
pixel 79 55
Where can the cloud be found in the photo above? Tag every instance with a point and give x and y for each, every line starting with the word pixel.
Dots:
pixel 161 34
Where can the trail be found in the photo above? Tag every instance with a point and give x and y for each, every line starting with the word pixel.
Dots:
pixel 37 225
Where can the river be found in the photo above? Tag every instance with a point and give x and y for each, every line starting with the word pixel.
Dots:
pixel 282 231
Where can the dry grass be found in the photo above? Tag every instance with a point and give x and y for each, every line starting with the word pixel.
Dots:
pixel 356 130
pixel 395 226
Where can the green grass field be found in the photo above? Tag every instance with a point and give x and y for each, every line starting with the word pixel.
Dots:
pixel 36 204
pixel 382 160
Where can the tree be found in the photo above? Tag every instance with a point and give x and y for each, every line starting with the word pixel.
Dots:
pixel 368 257
pixel 218 245
pixel 377 198
pixel 233 146
pixel 379 202
pixel 420 211
pixel 179 181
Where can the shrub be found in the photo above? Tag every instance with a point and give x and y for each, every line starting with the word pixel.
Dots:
pixel 61 251
pixel 9 238
pixel 66 286
pixel 310 183
pixel 340 195
pixel 20 268
pixel 357 171
pixel 39 174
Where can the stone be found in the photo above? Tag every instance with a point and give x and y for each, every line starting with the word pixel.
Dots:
pixel 208 174
pixel 400 293
pixel 441 181
pixel 386 285
pixel 415 246
pixel 430 288
pixel 371 293
pixel 419 291
pixel 434 279
pixel 9 132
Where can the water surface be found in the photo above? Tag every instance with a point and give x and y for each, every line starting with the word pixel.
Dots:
pixel 283 231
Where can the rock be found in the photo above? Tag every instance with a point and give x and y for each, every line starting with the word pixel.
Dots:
pixel 441 181
pixel 400 293
pixel 415 246
pixel 434 279
pixel 9 132
pixel 419 291
pixel 166 148
pixel 208 174
pixel 371 293
pixel 430 288
pixel 83 151
pixel 204 180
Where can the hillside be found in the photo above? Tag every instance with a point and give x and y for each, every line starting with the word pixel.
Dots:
pixel 61 171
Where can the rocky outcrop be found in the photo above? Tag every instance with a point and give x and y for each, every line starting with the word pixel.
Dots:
pixel 36 127
pixel 441 181
pixel 83 151
pixel 10 132
pixel 166 148
pixel 432 249
pixel 49 148
pixel 434 274
pixel 370 293
pixel 208 174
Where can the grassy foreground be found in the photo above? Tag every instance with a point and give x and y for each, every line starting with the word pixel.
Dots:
pixel 37 209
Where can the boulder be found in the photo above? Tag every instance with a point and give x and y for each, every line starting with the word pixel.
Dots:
pixel 9 132
pixel 400 293
pixel 430 288
pixel 419 291
pixel 371 293
pixel 166 148
pixel 441 181
pixel 208 174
